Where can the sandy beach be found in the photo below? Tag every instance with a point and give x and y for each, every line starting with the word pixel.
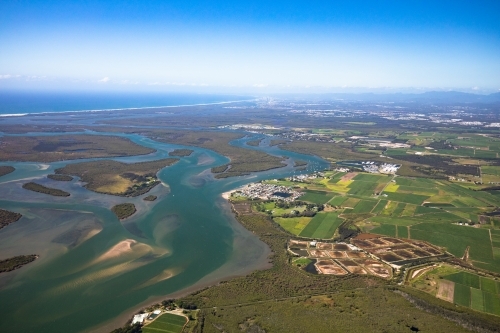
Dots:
pixel 227 195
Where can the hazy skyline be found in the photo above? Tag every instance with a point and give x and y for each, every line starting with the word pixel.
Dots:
pixel 287 46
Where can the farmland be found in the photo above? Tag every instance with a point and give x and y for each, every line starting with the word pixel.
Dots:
pixel 450 215
pixel 469 290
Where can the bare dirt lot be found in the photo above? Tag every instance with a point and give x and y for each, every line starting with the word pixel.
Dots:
pixel 329 267
pixel 446 290
pixel 337 254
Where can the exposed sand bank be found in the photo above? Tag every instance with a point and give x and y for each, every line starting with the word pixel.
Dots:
pixel 242 263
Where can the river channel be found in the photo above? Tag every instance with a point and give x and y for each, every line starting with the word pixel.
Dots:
pixel 95 271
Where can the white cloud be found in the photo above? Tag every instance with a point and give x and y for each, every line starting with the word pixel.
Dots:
pixel 8 76
pixel 260 85
pixel 104 80
pixel 475 88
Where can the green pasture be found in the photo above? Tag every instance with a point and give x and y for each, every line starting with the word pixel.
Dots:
pixel 406 197
pixel 385 229
pixel 456 238
pixel 461 295
pixel 379 207
pixel 466 279
pixel 322 226
pixel 367 177
pixel 294 225
pixel 491 170
pixel 399 209
pixel 362 188
pixel 402 231
pixel 389 208
pixel 364 206
pixel 491 303
pixel 337 201
pixel 317 197
pixel 476 299
pixel 475 292
pixel 395 220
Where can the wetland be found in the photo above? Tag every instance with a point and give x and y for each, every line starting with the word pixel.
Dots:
pixel 186 239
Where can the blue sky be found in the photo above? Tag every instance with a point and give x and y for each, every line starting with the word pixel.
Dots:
pixel 250 45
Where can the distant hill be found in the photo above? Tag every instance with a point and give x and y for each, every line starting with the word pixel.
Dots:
pixel 426 97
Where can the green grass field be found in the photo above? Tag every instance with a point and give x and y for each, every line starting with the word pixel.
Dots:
pixel 402 231
pixel 322 226
pixel 456 239
pixel 293 225
pixel 489 285
pixel 366 177
pixel 362 188
pixel 167 322
pixel 364 206
pixel 476 299
pixel 491 303
pixel 337 201
pixel 461 295
pixel 385 229
pixel 406 197
pixel 379 207
pixel 317 197
pixel 399 209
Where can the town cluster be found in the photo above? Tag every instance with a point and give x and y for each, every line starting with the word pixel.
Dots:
pixel 269 192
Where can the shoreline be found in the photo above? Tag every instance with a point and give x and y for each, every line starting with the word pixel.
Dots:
pixel 120 109
pixel 227 271
pixel 227 195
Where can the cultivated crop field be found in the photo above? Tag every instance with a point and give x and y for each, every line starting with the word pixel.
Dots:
pixel 449 215
pixel 168 323
pixel 323 225
pixel 476 292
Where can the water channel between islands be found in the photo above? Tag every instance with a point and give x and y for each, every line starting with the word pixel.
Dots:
pixel 95 271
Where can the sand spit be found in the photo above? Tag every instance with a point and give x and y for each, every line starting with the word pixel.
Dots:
pixel 165 275
pixel 95 276
pixel 117 250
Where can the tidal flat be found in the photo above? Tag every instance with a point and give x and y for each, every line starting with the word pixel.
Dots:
pixel 185 240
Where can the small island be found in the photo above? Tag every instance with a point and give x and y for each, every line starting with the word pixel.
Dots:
pixel 124 210
pixel 117 178
pixel 45 190
pixel 13 263
pixel 181 152
pixel 61 178
pixel 254 143
pixel 150 198
pixel 8 217
pixel 299 163
pixel 6 169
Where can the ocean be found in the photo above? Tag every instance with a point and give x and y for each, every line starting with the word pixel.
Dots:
pixel 14 103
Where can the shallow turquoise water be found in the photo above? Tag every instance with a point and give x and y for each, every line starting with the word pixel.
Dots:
pixel 186 236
